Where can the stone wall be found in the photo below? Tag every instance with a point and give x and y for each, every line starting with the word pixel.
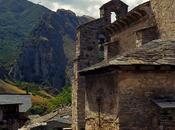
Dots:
pixel 111 50
pixel 115 6
pixel 101 102
pixel 165 16
pixel 126 39
pixel 124 100
pixel 87 49
pixel 146 35
pixel 137 89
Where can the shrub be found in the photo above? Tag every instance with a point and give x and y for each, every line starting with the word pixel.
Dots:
pixel 38 110
pixel 64 98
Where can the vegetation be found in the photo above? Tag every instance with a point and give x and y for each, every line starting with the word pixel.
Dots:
pixel 32 88
pixel 38 110
pixel 42 101
pixel 17 19
pixel 101 53
pixel 9 87
pixel 64 98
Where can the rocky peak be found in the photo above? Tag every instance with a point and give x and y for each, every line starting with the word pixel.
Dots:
pixel 65 12
pixel 46 52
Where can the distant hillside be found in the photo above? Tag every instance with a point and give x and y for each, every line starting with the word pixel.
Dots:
pixel 49 50
pixel 17 18
pixel 9 88
pixel 36 44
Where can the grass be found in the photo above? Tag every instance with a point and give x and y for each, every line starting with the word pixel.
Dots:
pixel 62 99
pixel 33 88
pixel 41 104
pixel 5 87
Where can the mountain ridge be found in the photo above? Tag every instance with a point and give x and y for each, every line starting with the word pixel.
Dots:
pixel 36 44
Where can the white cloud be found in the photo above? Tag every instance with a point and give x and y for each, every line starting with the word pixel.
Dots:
pixel 82 7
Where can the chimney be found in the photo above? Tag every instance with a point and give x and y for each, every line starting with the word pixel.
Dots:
pixel 164 11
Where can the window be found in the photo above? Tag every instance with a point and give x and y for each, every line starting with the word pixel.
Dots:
pixel 101 40
pixel 113 17
pixel 146 35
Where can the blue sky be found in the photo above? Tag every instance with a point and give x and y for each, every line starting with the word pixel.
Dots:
pixel 82 7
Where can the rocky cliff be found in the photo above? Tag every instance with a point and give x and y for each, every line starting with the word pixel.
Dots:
pixel 47 54
pixel 17 19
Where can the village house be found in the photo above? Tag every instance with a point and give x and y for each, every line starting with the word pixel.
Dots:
pixel 124 70
pixel 13 108
pixel 56 120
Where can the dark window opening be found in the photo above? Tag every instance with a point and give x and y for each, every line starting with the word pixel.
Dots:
pixel 146 35
pixel 101 40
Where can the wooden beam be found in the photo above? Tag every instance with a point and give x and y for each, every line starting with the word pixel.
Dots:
pixel 138 13
pixel 136 16
pixel 141 11
pixel 123 22
pixel 118 25
pixel 109 30
pixel 130 18
pixel 126 20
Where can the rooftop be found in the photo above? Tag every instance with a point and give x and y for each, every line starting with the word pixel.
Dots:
pixel 131 17
pixel 24 101
pixel 156 52
pixel 12 94
pixel 113 2
pixel 165 103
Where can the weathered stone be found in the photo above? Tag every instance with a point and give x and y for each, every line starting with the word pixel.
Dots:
pixel 49 50
pixel 133 89
pixel 165 17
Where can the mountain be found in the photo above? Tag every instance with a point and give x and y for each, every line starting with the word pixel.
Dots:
pixel 36 44
pixel 17 18
pixel 6 87
pixel 42 59
pixel 49 50
pixel 3 73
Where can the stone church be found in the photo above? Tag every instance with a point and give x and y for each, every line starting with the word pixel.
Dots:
pixel 124 71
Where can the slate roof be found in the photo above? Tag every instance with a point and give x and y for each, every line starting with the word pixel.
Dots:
pixel 53 116
pixel 45 118
pixel 156 52
pixel 165 103
pixel 9 103
pixel 131 17
pixel 61 120
pixel 24 101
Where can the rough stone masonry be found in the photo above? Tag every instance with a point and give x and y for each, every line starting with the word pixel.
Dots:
pixel 131 87
pixel 164 11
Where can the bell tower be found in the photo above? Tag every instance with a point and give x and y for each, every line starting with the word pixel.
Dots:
pixel 116 6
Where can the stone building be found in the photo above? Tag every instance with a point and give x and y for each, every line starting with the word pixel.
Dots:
pixel 56 120
pixel 13 108
pixel 124 71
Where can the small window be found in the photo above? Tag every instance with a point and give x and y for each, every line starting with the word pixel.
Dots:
pixel 146 35
pixel 101 40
